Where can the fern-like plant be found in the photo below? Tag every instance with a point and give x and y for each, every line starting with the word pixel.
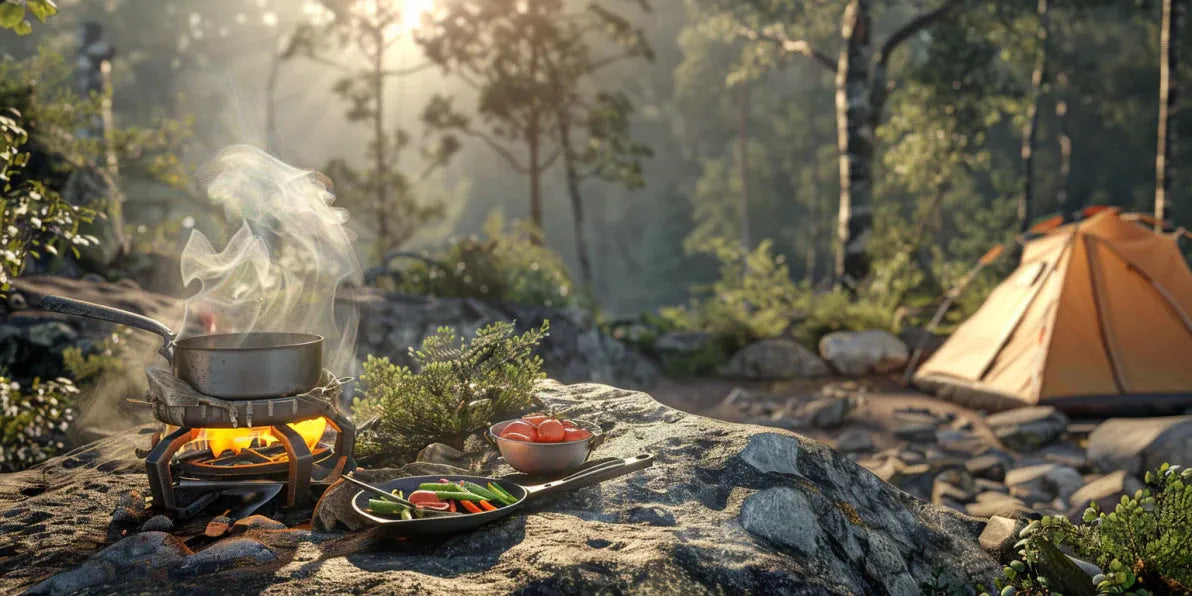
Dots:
pixel 1144 545
pixel 33 422
pixel 459 388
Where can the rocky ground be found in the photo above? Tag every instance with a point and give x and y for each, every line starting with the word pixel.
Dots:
pixel 726 508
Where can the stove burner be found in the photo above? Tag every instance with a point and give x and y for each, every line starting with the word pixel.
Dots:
pixel 290 459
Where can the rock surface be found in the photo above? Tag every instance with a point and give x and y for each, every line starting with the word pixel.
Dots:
pixel 726 508
pixel 1027 429
pixel 774 359
pixel 856 353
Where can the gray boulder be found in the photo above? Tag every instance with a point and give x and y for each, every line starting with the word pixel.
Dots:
pixel 1141 444
pixel 1105 491
pixel 681 343
pixel 857 353
pixel 1027 429
pixel 774 359
pixel 726 508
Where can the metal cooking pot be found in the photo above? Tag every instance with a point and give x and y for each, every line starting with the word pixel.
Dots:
pixel 224 365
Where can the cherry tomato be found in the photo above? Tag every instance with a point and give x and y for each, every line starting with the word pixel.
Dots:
pixel 551 431
pixel 521 428
pixel 517 437
pixel 569 424
pixel 535 419
pixel 576 434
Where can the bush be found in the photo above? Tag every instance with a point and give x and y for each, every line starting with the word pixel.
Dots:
pixel 754 297
pixel 1144 545
pixel 508 266
pixel 838 311
pixel 461 388
pixel 33 424
pixel 110 357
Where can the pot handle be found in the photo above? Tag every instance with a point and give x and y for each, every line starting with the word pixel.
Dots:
pixel 80 308
pixel 594 475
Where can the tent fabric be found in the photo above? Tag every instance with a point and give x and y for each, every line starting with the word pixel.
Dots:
pixel 1095 321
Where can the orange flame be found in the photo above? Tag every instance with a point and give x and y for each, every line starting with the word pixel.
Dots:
pixel 235 440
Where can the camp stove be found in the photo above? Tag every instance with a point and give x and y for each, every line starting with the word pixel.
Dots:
pixel 304 442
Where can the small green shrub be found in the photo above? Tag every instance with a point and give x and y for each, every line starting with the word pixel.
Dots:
pixel 754 297
pixel 110 357
pixel 1144 545
pixel 33 424
pixel 460 388
pixel 838 311
pixel 509 266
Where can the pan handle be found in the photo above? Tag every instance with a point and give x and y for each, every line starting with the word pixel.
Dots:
pixel 594 475
pixel 70 306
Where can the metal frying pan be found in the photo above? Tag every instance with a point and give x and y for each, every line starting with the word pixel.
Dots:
pixel 225 365
pixel 523 494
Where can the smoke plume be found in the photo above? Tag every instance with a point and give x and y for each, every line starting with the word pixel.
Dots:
pixel 281 269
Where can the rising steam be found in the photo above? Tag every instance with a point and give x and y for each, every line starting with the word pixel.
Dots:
pixel 280 271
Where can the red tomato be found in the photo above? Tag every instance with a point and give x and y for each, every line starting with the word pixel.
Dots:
pixel 517 437
pixel 551 431
pixel 521 428
pixel 576 434
pixel 535 419
pixel 569 424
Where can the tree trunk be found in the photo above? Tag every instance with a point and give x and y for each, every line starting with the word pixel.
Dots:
pixel 534 141
pixel 743 144
pixel 381 157
pixel 855 138
pixel 1065 142
pixel 1030 128
pixel 577 204
pixel 1169 49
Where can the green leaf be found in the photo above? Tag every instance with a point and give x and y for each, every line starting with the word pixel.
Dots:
pixel 11 15
pixel 23 28
pixel 42 9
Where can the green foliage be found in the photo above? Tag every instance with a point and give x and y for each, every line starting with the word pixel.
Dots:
pixel 34 217
pixel 109 357
pixel 459 388
pixel 32 424
pixel 839 311
pixel 12 14
pixel 753 298
pixel 1144 545
pixel 509 266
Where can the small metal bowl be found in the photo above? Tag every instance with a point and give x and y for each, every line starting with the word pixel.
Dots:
pixel 545 459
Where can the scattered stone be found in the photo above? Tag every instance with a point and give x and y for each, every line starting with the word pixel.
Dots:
pixel 854 441
pixel 915 479
pixel 999 537
pixel 1105 491
pixel 681 343
pixel 997 504
pixel 856 353
pixel 827 412
pixel 130 508
pixel 948 495
pixel 959 440
pixel 256 522
pixel 982 485
pixel 1044 482
pixel 158 523
pixel 1065 454
pixel 439 453
pixel 1138 445
pixel 910 456
pixel 223 555
pixel 17 302
pixel 1027 429
pixel 916 432
pixel 988 466
pixel 774 359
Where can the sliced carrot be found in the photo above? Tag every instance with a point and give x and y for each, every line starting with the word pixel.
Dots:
pixel 487 506
pixel 451 505
pixel 470 506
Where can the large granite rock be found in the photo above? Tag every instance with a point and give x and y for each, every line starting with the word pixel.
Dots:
pixel 1028 429
pixel 1141 444
pixel 856 353
pixel 775 358
pixel 726 508
pixel 576 350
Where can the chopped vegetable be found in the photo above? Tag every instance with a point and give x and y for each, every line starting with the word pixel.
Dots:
pixel 382 507
pixel 459 495
pixel 485 505
pixel 501 493
pixel 551 431
pixel 405 513
pixel 470 506
pixel 439 486
pixel 480 490
pixel 451 505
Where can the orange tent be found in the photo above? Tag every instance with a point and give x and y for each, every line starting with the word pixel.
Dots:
pixel 1097 319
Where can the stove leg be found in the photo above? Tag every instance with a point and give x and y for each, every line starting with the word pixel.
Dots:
pixel 301 464
pixel 345 443
pixel 157 465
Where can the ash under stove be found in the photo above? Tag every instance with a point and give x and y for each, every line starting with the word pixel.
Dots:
pixel 299 443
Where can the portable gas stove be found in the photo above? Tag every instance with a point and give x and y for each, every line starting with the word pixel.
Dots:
pixel 302 441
